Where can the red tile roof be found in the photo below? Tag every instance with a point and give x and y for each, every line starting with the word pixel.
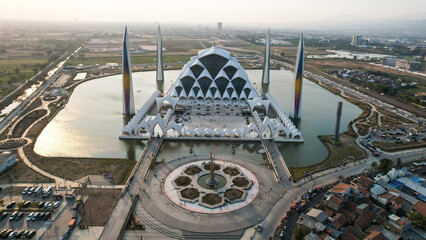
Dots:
pixel 420 207
pixel 364 220
pixel 340 188
pixel 349 216
pixel 339 220
pixel 386 195
pixel 335 200
pixel 375 235
pixel 397 200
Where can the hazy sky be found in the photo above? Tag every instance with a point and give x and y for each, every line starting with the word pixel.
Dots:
pixel 198 11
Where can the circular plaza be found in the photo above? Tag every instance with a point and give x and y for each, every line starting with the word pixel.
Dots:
pixel 193 187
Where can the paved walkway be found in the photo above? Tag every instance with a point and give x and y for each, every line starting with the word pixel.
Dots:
pixel 116 220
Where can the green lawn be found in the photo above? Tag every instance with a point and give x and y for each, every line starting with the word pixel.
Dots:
pixel 135 60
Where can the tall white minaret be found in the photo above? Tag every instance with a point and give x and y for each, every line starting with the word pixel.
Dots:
pixel 128 101
pixel 266 59
pixel 160 72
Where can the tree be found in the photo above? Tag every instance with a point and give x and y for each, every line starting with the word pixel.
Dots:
pixel 374 165
pixel 17 70
pixel 385 164
pixel 300 232
pixel 398 161
pixel 418 219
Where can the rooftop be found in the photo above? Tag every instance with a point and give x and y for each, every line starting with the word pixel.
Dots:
pixel 340 188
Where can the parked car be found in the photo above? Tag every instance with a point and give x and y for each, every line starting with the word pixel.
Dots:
pixel 10 205
pixel 30 216
pixel 3 216
pixel 6 234
pixel 31 191
pixel 48 205
pixel 25 190
pixel 12 235
pixel 47 216
pixel 19 234
pixel 41 204
pixel 13 216
pixel 41 216
pixel 26 204
pixel 35 216
pixel 24 235
pixel 31 234
pixel 58 196
pixel 56 204
pixel 19 216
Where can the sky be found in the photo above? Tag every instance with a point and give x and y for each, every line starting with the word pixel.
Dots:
pixel 198 11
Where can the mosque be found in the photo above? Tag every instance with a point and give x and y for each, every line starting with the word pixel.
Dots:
pixel 212 98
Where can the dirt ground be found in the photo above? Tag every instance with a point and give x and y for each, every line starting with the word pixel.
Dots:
pixel 98 205
pixel 21 173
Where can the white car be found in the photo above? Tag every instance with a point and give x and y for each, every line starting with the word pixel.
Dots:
pixel 30 191
pixel 25 190
pixel 56 204
pixel 30 216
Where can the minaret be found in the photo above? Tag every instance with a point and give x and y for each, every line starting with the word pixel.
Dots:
pixel 266 59
pixel 298 77
pixel 338 117
pixel 128 101
pixel 160 73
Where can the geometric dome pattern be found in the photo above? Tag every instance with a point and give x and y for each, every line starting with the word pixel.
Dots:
pixel 213 74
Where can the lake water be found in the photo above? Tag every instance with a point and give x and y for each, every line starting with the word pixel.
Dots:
pixel 91 122
pixel 349 55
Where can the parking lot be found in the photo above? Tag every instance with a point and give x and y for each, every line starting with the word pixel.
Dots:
pixel 42 215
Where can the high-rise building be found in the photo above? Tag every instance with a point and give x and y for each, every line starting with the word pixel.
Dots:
pixel 160 72
pixel 266 59
pixel 219 26
pixel 298 78
pixel 357 40
pixel 128 101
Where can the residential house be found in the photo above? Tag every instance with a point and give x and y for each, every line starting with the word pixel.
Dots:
pixel 363 221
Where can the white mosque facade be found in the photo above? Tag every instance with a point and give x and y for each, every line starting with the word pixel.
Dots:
pixel 212 98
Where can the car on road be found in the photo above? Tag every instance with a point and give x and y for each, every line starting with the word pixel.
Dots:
pixel 25 190
pixel 259 227
pixel 30 216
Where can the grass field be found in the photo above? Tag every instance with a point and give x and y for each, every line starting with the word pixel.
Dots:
pixel 337 154
pixel 150 59
pixel 10 78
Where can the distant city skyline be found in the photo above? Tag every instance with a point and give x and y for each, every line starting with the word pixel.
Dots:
pixel 229 12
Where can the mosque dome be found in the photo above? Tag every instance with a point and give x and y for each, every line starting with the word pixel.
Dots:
pixel 213 74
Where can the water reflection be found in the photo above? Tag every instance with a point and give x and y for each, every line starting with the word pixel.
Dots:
pixel 92 120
